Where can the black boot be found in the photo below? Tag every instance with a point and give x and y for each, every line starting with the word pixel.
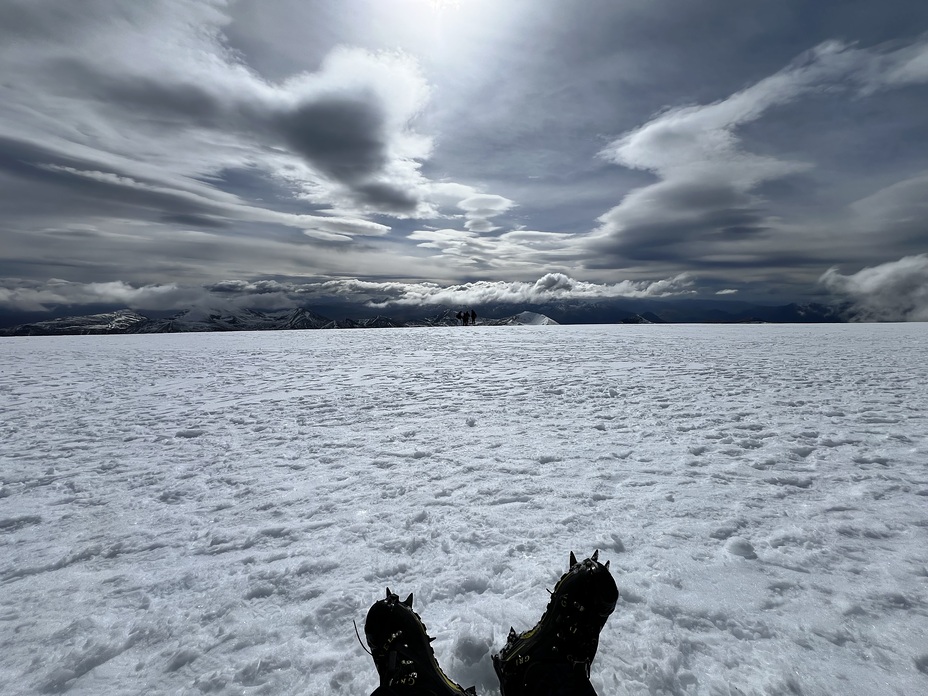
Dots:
pixel 554 657
pixel 402 652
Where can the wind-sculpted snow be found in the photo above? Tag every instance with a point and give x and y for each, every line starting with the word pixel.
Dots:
pixel 210 513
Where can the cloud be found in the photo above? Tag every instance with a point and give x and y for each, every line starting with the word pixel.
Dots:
pixel 553 282
pixel 352 122
pixel 188 203
pixel 550 287
pixel 28 296
pixel 517 251
pixel 153 86
pixel 907 65
pixel 894 291
pixel 446 199
pixel 706 204
pixel 204 139
pixel 342 136
pixel 897 213
pixel 466 247
pixel 479 210
pixel 20 295
pixel 139 120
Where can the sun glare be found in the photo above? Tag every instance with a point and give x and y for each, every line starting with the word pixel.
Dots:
pixel 432 29
pixel 441 5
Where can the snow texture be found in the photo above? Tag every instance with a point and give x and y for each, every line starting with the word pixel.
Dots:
pixel 209 513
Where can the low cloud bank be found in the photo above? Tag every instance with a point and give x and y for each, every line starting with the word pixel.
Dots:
pixel 21 295
pixel 894 291
pixel 29 296
pixel 552 286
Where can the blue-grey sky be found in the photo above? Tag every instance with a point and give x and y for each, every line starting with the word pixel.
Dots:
pixel 277 152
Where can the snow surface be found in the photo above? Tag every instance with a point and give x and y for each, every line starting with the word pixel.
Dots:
pixel 209 513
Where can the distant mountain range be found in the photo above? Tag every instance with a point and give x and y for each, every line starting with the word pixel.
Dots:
pixel 677 311
pixel 621 311
pixel 126 321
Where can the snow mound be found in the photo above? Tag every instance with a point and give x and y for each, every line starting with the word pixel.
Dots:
pixel 525 319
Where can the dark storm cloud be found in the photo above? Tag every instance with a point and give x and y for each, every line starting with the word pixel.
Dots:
pixel 346 137
pixel 261 287
pixel 342 136
pixel 183 103
pixel 382 196
pixel 190 220
pixel 678 221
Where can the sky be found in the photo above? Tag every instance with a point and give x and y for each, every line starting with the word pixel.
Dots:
pixel 274 153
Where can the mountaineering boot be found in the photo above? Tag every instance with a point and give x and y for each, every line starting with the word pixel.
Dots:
pixel 554 657
pixel 402 652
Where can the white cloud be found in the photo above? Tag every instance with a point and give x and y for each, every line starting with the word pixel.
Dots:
pixel 446 199
pixel 480 209
pixel 697 142
pixel 517 251
pixel 438 238
pixel 552 286
pixel 894 291
pixel 902 66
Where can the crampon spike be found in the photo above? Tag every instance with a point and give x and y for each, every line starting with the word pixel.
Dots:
pixel 389 594
pixel 408 601
pixel 606 566
pixel 573 559
pixel 595 555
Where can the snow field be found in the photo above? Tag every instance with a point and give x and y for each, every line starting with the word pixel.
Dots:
pixel 209 513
